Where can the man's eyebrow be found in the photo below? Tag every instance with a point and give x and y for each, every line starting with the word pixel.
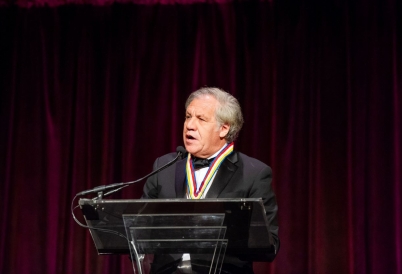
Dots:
pixel 202 115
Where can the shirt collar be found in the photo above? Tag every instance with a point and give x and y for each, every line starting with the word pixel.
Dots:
pixel 216 154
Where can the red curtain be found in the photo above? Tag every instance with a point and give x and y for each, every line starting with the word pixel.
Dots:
pixel 92 94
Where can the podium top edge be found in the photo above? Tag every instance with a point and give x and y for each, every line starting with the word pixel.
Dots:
pixel 207 200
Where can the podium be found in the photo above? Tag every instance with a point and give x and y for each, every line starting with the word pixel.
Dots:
pixel 209 229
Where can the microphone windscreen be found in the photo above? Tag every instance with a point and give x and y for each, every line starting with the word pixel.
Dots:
pixel 181 150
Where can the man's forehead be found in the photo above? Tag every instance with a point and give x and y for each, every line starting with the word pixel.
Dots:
pixel 202 104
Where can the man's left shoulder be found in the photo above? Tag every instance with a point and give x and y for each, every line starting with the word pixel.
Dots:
pixel 248 161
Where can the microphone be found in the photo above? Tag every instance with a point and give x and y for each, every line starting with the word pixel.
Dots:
pixel 181 151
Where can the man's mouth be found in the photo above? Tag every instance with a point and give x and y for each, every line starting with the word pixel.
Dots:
pixel 189 137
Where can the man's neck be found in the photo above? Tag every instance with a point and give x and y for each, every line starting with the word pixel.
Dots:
pixel 216 153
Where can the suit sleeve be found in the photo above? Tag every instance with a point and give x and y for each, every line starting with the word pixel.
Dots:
pixel 262 188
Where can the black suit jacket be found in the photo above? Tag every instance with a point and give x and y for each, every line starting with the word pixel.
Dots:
pixel 239 176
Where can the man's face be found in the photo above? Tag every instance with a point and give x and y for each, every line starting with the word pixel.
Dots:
pixel 202 135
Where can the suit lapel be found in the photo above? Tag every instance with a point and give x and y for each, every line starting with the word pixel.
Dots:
pixel 223 175
pixel 180 178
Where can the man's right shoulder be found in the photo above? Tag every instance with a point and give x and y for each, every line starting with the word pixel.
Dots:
pixel 166 158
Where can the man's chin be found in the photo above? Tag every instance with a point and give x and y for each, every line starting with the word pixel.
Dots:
pixel 192 149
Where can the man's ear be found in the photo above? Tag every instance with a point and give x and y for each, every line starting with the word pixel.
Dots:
pixel 224 130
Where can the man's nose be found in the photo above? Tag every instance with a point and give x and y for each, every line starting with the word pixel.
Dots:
pixel 190 124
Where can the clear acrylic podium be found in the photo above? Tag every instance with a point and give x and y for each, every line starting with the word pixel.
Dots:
pixel 210 228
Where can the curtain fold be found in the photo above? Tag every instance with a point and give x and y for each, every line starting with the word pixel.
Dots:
pixel 92 94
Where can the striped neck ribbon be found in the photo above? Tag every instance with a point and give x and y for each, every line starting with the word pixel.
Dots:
pixel 192 192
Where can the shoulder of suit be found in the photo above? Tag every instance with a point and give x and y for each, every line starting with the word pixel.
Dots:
pixel 167 158
pixel 236 157
pixel 247 160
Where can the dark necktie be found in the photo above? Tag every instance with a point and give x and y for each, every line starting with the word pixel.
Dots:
pixel 200 163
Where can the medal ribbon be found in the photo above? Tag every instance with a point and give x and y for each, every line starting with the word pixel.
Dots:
pixel 192 192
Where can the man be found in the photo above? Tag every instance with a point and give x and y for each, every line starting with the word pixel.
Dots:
pixel 212 123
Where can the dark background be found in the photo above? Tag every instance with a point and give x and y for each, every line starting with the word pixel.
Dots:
pixel 91 92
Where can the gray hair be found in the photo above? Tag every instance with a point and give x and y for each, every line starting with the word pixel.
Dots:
pixel 227 112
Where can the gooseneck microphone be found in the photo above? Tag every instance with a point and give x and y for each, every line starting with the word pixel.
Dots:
pixel 181 151
pixel 116 187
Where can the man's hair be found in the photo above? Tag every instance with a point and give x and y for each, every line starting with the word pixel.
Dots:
pixel 228 110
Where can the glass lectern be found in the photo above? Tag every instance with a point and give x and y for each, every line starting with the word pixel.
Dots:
pixel 209 229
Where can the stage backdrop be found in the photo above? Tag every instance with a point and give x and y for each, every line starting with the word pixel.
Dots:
pixel 91 92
